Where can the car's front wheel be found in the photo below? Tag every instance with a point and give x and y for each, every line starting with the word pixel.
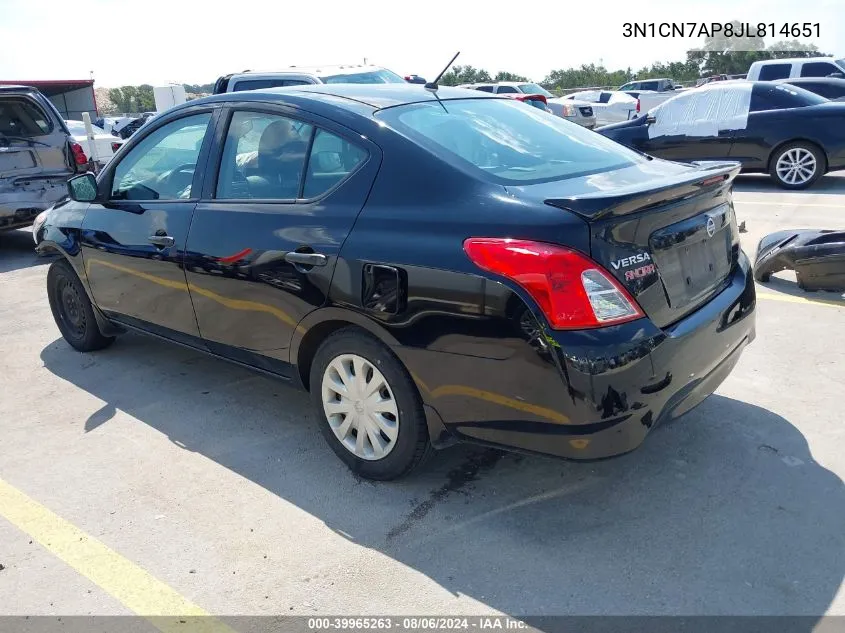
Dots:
pixel 367 406
pixel 797 165
pixel 72 309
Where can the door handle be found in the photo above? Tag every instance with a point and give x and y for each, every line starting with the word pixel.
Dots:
pixel 306 259
pixel 162 240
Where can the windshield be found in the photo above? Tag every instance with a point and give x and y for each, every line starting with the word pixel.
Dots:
pixel 535 89
pixel 795 97
pixel 505 142
pixel 373 77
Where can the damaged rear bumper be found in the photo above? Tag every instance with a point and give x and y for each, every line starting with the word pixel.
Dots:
pixel 816 256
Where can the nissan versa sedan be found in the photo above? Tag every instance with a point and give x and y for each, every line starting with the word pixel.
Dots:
pixel 432 265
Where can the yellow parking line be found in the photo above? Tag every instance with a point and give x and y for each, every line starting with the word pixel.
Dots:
pixel 134 587
pixel 791 299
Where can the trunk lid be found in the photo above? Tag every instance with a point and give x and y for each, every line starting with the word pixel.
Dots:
pixel 666 231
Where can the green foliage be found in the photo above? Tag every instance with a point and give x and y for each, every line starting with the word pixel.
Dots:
pixel 464 75
pixel 506 76
pixel 133 98
pixel 199 89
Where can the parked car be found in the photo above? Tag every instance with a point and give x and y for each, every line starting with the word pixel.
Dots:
pixel 772 69
pixel 650 85
pixel 304 76
pixel 104 142
pixel 579 112
pixel 415 79
pixel 37 155
pixel 831 88
pixel 609 106
pixel 434 267
pixel 793 134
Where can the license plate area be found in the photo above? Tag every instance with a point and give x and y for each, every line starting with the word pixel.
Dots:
pixel 13 158
pixel 695 256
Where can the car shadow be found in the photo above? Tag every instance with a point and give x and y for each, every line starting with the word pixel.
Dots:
pixel 17 251
pixel 790 287
pixel 831 183
pixel 724 511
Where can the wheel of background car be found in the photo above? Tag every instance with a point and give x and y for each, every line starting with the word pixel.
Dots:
pixel 797 165
pixel 72 309
pixel 367 406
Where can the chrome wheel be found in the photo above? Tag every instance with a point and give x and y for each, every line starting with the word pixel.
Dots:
pixel 796 166
pixel 360 407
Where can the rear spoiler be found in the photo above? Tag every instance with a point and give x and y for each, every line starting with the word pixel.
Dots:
pixel 649 194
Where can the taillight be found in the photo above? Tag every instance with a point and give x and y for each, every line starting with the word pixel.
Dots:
pixel 568 109
pixel 573 291
pixel 638 105
pixel 79 156
pixel 115 147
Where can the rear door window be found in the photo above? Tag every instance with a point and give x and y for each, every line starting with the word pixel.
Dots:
pixel 818 69
pixel 769 72
pixel 506 89
pixel 649 85
pixel 20 116
pixel 263 157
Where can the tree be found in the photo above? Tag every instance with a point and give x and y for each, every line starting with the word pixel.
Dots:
pixel 123 98
pixel 506 76
pixel 464 75
pixel 146 101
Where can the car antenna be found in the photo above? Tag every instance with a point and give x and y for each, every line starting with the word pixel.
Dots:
pixel 432 85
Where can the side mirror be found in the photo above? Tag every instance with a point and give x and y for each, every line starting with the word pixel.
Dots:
pixel 82 188
pixel 650 119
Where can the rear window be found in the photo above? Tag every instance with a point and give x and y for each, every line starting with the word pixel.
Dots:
pixel 769 72
pixel 261 84
pixel 20 116
pixel 373 77
pixel 535 89
pixel 507 143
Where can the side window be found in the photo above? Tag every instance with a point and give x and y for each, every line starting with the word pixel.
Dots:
pixel 161 167
pixel 263 157
pixel 485 88
pixel 332 159
pixel 761 100
pixel 506 89
pixel 818 69
pixel 649 85
pixel 258 84
pixel 769 72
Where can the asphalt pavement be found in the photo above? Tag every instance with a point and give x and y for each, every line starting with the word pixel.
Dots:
pixel 148 478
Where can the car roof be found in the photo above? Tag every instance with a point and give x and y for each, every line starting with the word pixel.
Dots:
pixel 792 60
pixel 317 71
pixel 18 89
pixel 350 96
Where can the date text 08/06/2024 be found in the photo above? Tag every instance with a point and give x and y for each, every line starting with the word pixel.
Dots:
pixel 727 29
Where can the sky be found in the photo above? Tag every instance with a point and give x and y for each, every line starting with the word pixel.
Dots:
pixel 195 41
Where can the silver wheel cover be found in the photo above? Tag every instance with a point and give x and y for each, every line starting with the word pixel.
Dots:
pixel 796 166
pixel 360 407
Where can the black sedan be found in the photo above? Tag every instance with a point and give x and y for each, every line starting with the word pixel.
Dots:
pixel 832 88
pixel 794 135
pixel 431 266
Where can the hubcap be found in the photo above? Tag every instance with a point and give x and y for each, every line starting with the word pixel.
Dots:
pixel 360 407
pixel 796 166
pixel 72 312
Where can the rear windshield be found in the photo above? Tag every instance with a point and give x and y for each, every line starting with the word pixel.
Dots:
pixel 790 96
pixel 506 142
pixel 20 116
pixel 372 77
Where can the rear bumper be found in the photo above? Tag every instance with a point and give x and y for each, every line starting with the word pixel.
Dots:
pixel 595 394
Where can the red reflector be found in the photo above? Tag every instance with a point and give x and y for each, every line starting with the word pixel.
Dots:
pixel 572 290
pixel 115 146
pixel 638 105
pixel 79 156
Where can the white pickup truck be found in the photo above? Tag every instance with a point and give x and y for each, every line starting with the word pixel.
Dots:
pixel 651 92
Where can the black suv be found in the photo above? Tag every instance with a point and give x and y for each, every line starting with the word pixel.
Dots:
pixel 37 155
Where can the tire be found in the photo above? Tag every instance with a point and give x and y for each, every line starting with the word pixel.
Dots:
pixel 797 155
pixel 350 349
pixel 72 310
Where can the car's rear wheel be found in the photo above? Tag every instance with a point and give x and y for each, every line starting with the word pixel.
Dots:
pixel 797 165
pixel 367 406
pixel 72 309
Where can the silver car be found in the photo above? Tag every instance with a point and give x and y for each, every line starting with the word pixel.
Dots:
pixel 579 112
